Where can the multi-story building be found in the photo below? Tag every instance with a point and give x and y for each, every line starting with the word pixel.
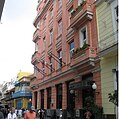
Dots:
pixel 65 59
pixel 1 7
pixel 107 22
pixel 22 95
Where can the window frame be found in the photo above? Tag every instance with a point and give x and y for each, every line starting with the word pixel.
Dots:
pixel 81 36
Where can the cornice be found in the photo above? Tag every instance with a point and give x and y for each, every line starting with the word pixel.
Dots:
pixel 41 13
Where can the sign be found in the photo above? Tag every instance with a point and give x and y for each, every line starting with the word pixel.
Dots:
pixel 79 85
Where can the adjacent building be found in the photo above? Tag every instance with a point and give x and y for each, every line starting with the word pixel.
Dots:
pixel 1 7
pixel 22 95
pixel 65 60
pixel 107 25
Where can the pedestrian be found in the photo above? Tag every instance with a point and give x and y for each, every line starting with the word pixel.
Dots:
pixel 1 114
pixel 16 111
pixel 11 114
pixel 88 114
pixel 19 113
pixel 41 113
pixel 31 114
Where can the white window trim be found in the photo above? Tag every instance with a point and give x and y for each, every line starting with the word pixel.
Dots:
pixel 81 38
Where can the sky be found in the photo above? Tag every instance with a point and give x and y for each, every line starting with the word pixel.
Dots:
pixel 16 34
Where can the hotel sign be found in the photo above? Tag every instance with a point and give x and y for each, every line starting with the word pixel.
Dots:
pixel 79 85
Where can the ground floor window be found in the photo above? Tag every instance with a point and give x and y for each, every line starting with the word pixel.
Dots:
pixel 59 96
pixel 48 98
pixel 42 99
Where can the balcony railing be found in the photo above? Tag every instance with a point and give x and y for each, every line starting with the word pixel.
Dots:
pixel 82 13
pixel 36 35
pixel 22 94
pixel 35 57
pixel 82 55
pixel 69 4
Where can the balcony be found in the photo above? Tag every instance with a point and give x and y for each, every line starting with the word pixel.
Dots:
pixel 20 94
pixel 69 4
pixel 108 44
pixel 84 55
pixel 81 14
pixel 35 58
pixel 36 35
pixel 59 14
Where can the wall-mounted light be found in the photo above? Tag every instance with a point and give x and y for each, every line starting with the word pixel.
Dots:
pixel 94 86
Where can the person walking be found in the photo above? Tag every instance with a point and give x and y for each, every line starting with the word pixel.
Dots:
pixel 12 115
pixel 19 113
pixel 41 113
pixel 31 114
pixel 1 114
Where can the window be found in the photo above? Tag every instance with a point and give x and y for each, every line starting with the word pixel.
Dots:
pixel 60 58
pixel 83 36
pixel 60 3
pixel 44 40
pixel 51 13
pixel 116 13
pixel 48 98
pixel 70 11
pixel 38 25
pixel 71 48
pixel 42 99
pixel 43 69
pixel 51 36
pixel 50 59
pixel 79 2
pixel 59 96
pixel 44 23
pixel 59 27
pixel 36 47
pixel 115 78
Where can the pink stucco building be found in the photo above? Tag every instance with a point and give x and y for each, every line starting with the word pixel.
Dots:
pixel 65 59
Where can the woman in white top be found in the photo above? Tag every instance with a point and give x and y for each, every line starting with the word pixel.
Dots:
pixel 12 115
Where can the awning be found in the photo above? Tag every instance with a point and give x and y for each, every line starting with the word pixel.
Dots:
pixel 80 85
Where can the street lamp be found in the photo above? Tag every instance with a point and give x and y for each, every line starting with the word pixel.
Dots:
pixel 94 86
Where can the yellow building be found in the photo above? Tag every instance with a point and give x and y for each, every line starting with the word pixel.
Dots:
pixel 107 23
pixel 22 96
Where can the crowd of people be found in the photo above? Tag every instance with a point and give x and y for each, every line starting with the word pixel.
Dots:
pixel 21 113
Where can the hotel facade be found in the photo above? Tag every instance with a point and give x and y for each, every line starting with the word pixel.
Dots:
pixel 65 60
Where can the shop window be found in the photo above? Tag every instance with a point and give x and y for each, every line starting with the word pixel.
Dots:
pixel 42 99
pixel 48 98
pixel 59 96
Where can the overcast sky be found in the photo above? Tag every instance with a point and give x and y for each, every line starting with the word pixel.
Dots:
pixel 16 33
